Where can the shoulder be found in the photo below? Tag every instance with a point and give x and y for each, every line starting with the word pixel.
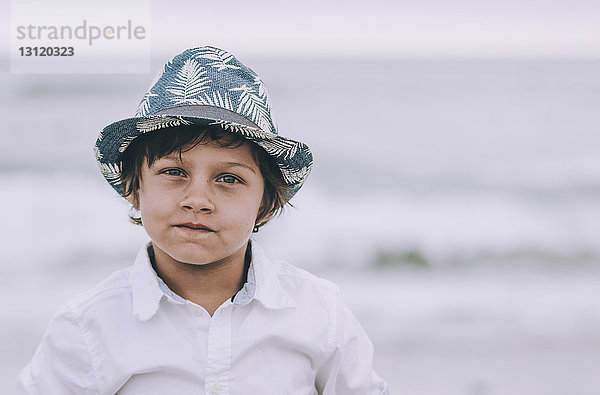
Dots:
pixel 301 279
pixel 110 291
pixel 67 359
pixel 319 297
pixel 320 307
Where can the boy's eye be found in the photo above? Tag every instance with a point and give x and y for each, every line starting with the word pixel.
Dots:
pixel 173 172
pixel 229 179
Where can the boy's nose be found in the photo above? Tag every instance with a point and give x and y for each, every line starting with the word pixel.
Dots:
pixel 197 198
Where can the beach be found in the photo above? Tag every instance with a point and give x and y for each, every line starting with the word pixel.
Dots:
pixel 454 201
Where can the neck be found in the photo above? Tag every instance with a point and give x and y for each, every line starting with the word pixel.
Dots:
pixel 206 285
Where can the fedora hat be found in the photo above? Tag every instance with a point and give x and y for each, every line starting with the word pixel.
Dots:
pixel 208 87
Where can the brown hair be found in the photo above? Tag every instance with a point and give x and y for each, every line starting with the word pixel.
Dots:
pixel 155 145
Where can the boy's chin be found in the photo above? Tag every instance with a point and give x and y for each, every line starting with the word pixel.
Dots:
pixel 199 254
pixel 193 259
pixel 197 259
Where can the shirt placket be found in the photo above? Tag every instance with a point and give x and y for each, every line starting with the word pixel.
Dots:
pixel 218 361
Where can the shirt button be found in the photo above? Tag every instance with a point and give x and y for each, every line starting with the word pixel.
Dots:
pixel 217 388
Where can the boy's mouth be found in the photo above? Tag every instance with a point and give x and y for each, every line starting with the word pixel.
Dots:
pixel 193 226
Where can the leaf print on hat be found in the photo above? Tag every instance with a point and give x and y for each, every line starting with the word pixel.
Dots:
pixel 189 82
pixel 245 131
pixel 293 175
pixel 97 153
pixel 155 122
pixel 144 106
pixel 282 147
pixel 219 57
pixel 218 100
pixel 125 143
pixel 254 107
pixel 112 172
pixel 262 91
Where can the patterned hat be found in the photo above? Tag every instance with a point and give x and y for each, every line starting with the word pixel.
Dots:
pixel 205 86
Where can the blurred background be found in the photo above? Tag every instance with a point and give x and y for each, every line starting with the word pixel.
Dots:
pixel 455 195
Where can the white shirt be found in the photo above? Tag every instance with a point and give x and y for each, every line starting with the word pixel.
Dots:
pixel 286 332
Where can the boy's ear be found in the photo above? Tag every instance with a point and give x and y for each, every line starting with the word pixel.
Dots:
pixel 133 199
pixel 262 221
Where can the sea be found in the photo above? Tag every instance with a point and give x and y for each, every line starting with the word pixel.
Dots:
pixel 455 201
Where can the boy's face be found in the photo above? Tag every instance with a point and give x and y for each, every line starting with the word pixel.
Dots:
pixel 201 209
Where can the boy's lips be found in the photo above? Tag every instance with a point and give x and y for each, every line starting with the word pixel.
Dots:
pixel 194 226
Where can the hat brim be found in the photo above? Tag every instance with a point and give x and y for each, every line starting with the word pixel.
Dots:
pixel 293 158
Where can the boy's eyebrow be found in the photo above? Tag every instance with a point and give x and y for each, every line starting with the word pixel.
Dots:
pixel 237 164
pixel 172 156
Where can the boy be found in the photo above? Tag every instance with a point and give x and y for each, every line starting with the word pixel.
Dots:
pixel 202 310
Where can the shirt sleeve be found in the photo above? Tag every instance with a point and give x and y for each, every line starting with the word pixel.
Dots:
pixel 349 369
pixel 62 363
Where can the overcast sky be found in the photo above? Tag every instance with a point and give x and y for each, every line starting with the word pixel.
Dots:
pixel 376 27
pixel 425 27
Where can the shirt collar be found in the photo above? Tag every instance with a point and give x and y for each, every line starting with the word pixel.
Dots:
pixel 262 284
pixel 146 292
